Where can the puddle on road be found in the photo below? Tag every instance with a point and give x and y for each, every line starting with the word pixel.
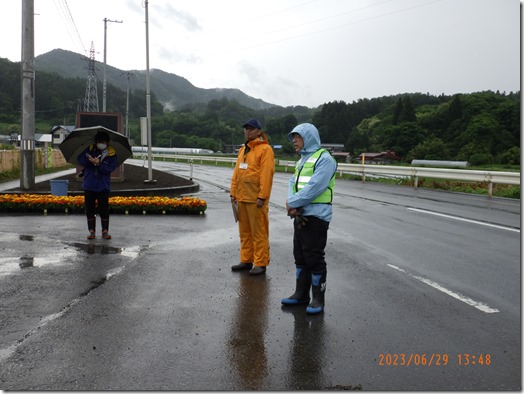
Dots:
pixel 56 253
pixel 10 265
pixel 92 248
pixel 26 262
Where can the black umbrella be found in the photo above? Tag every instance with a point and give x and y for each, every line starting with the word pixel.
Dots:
pixel 81 138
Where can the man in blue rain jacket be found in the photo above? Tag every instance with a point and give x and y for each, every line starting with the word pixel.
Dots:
pixel 309 202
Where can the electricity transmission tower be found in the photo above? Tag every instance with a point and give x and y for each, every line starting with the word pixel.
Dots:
pixel 91 96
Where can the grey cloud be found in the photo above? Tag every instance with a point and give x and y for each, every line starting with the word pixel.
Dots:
pixel 135 7
pixel 188 21
pixel 174 56
pixel 254 74
pixel 280 89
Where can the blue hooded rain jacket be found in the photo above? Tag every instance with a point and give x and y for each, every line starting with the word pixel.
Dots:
pixel 325 168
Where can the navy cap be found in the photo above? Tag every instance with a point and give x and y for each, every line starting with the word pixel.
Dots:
pixel 253 123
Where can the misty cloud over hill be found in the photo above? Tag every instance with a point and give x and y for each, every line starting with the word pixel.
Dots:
pixel 172 91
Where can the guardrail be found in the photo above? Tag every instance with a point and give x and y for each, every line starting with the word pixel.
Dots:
pixel 187 158
pixel 490 177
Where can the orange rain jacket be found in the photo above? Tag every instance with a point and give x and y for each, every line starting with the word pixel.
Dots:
pixel 254 169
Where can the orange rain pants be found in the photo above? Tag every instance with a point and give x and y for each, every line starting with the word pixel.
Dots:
pixel 253 226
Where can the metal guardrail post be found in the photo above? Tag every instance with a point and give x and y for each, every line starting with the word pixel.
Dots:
pixel 489 179
pixel 415 181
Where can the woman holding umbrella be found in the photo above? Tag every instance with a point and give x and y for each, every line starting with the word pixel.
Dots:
pixel 99 161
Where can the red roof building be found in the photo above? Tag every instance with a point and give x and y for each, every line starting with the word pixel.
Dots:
pixel 379 158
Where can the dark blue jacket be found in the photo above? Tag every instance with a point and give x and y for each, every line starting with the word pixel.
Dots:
pixel 98 178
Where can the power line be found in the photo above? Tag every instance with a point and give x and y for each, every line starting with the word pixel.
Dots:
pixel 286 9
pixel 71 28
pixel 327 17
pixel 74 25
pixel 326 29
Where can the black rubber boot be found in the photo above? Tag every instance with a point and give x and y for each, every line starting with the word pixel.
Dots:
pixel 301 294
pixel 91 226
pixel 318 288
pixel 105 224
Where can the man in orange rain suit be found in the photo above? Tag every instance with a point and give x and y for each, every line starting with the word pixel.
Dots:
pixel 250 189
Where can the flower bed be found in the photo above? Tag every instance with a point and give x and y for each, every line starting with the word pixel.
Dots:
pixel 46 203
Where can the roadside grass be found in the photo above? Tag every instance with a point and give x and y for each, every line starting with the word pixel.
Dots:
pixel 481 188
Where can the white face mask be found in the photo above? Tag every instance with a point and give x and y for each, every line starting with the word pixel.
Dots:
pixel 101 146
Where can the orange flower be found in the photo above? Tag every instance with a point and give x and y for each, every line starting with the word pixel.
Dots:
pixel 118 204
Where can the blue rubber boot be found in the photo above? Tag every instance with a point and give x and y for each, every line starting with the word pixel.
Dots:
pixel 301 294
pixel 318 289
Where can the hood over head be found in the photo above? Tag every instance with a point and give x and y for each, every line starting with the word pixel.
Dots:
pixel 309 134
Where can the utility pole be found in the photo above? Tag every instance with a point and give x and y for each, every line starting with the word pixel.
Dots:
pixel 128 75
pixel 148 103
pixel 27 139
pixel 104 85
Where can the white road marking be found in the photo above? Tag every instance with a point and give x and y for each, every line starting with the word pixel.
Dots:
pixel 465 220
pixel 479 305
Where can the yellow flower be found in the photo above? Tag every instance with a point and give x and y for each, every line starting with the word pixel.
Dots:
pixel 118 204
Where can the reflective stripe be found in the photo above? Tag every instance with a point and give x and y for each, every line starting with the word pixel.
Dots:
pixel 302 180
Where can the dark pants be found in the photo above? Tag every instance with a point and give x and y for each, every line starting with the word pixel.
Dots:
pixel 90 202
pixel 309 243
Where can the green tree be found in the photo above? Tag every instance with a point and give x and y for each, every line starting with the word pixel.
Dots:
pixel 511 156
pixel 408 112
pixel 164 138
pixel 431 149
pixel 398 111
pixel 279 128
pixel 403 137
pixel 484 130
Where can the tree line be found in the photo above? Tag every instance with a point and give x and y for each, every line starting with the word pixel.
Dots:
pixel 481 127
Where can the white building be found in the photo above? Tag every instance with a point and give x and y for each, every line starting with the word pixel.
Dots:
pixel 60 133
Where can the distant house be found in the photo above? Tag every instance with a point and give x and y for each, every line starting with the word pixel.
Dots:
pixel 60 133
pixel 333 147
pixel 337 150
pixel 344 157
pixel 386 157
pixel 232 148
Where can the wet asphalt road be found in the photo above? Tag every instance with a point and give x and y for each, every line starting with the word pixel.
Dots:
pixel 157 307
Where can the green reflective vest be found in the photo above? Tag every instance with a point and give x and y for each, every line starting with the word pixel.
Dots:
pixel 304 174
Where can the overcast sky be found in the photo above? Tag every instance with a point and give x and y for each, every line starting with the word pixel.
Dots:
pixel 292 52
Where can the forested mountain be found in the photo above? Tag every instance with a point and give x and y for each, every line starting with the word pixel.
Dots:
pixel 482 128
pixel 172 91
pixel 57 99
